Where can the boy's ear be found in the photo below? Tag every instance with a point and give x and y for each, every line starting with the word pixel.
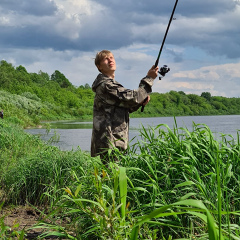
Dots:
pixel 98 67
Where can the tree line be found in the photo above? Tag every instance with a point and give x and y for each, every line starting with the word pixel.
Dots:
pixel 45 97
pixel 178 103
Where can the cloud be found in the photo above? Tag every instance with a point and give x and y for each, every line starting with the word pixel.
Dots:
pixel 33 7
pixel 88 25
pixel 220 80
pixel 202 47
pixel 196 9
pixel 157 8
pixel 212 73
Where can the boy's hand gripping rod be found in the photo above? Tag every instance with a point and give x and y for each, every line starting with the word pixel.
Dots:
pixel 164 69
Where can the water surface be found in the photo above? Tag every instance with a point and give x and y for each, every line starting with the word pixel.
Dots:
pixel 74 134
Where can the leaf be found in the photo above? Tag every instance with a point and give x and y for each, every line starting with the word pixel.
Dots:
pixel 68 190
pixel 187 196
pixel 187 183
pixel 134 233
pixel 123 190
pixel 212 231
pixel 77 190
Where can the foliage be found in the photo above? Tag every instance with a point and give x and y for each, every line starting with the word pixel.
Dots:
pixel 60 79
pixel 181 104
pixel 173 184
pixel 30 166
pixel 33 97
pixel 56 98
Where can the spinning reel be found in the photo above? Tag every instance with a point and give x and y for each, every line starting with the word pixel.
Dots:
pixel 163 70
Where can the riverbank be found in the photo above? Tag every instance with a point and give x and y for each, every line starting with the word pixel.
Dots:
pixel 30 170
pixel 177 186
pixel 30 107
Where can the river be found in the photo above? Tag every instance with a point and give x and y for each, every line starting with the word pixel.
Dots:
pixel 74 134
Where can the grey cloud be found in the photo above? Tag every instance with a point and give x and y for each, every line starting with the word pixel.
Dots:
pixel 96 32
pixel 46 36
pixel 219 44
pixel 33 7
pixel 177 57
pixel 122 24
pixel 224 48
pixel 30 37
pixel 186 7
pixel 212 38
pixel 193 8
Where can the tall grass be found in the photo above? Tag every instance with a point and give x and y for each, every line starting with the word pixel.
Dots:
pixel 173 184
pixel 180 164
pixel 181 185
pixel 33 171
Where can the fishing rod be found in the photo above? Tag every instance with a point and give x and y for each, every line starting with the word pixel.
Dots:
pixel 169 23
pixel 165 68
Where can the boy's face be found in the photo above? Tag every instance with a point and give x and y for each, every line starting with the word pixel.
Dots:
pixel 107 65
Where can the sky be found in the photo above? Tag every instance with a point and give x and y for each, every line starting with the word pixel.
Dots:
pixel 202 48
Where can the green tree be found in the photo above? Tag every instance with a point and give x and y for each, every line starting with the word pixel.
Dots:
pixel 22 75
pixel 87 86
pixel 7 72
pixel 195 99
pixel 181 92
pixel 21 69
pixel 206 95
pixel 44 75
pixel 60 79
pixel 175 97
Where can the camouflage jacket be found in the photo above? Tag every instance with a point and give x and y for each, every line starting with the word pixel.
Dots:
pixel 112 105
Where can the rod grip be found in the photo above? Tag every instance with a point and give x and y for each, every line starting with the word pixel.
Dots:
pixel 142 109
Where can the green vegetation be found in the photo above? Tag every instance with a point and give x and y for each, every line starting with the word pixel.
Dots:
pixel 174 184
pixel 181 104
pixel 29 98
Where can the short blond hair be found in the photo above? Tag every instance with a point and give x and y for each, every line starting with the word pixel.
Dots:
pixel 100 56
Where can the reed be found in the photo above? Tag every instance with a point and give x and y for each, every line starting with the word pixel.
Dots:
pixel 33 171
pixel 172 184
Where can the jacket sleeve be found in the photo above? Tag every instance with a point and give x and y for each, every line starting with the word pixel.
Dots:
pixel 113 93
